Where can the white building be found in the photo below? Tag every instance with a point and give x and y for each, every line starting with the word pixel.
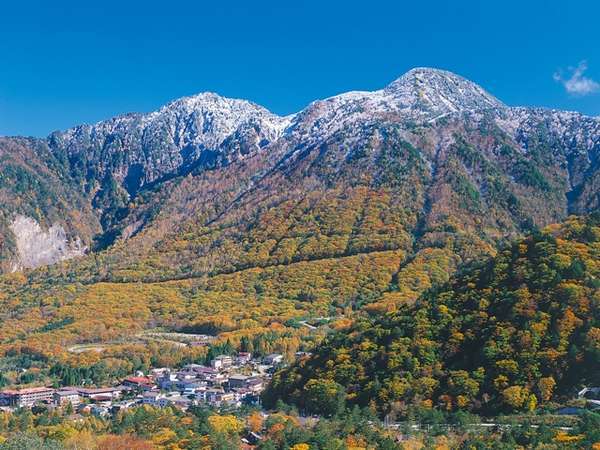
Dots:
pixel 243 358
pixel 24 398
pixel 273 359
pixel 156 399
pixel 222 362
pixel 63 397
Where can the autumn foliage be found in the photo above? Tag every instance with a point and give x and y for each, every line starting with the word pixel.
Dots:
pixel 505 335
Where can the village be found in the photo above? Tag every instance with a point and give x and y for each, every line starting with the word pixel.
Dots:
pixel 228 381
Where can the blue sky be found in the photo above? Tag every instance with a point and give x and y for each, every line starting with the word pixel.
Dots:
pixel 68 62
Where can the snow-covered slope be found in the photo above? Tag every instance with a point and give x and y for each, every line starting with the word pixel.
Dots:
pixel 420 95
pixel 208 130
pixel 208 119
pixel 431 91
pixel 179 133
pixel 137 149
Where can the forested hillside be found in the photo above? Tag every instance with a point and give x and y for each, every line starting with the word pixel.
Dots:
pixel 508 335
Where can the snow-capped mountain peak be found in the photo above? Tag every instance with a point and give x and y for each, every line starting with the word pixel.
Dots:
pixel 439 91
pixel 209 119
pixel 420 95
pixel 208 130
pixel 205 126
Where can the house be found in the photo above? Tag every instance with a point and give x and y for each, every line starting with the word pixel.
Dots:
pixel 24 398
pixel 100 411
pixel 166 380
pixel 140 383
pixel 84 408
pixel 198 371
pixel 63 397
pixel 589 393
pixel 209 395
pixel 5 398
pixel 216 397
pixel 201 340
pixel 273 359
pixel 226 398
pixel 159 372
pixel 98 394
pixel 155 399
pixel 209 374
pixel 238 381
pixel 121 406
pixel 243 358
pixel 255 384
pixel 181 402
pixel 222 362
pixel 191 387
pixel 254 438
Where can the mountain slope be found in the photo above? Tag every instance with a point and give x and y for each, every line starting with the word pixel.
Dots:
pixel 521 329
pixel 40 208
pixel 114 159
pixel 467 149
pixel 357 204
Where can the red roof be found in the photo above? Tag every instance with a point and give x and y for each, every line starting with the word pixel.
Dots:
pixel 27 391
pixel 138 380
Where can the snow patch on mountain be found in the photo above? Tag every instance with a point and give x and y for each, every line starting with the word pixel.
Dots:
pixel 209 119
pixel 199 131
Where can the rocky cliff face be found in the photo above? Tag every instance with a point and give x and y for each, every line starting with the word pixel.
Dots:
pixel 37 247
pixel 451 156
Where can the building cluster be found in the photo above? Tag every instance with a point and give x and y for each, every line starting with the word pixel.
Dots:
pixel 29 397
pixel 228 381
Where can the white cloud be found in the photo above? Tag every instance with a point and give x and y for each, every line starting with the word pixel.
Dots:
pixel 577 83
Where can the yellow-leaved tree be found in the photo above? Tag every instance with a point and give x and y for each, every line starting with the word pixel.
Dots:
pixel 225 424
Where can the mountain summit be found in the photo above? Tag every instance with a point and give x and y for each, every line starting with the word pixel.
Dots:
pixel 440 92
pixel 420 95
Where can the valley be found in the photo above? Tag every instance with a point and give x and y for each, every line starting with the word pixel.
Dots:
pixel 419 253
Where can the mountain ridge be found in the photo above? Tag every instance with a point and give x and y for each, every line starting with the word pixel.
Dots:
pixel 115 161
